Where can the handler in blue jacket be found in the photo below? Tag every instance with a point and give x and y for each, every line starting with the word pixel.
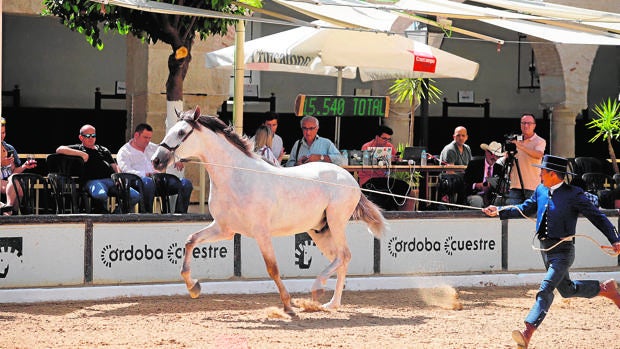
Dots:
pixel 557 206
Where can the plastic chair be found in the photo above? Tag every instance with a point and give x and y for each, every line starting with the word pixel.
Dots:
pixel 32 193
pixel 64 176
pixel 585 164
pixel 166 184
pixel 601 185
pixel 596 181
pixel 451 185
pixel 124 182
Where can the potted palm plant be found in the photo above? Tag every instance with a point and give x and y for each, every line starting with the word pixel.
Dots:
pixel 607 126
pixel 413 90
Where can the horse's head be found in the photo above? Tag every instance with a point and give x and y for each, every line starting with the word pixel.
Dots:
pixel 172 144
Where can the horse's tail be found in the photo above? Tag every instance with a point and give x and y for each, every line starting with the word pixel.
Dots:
pixel 370 213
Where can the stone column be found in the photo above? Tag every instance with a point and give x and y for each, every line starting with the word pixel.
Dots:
pixel 564 77
pixel 147 71
pixel 562 142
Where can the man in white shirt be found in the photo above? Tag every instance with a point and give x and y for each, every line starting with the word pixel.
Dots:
pixel 135 157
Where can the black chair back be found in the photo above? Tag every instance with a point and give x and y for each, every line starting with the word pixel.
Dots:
pixel 65 164
pixel 124 182
pixel 584 164
pixel 452 185
pixel 32 193
pixel 65 172
pixel 601 185
pixel 166 184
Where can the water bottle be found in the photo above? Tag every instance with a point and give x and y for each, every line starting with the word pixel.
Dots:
pixel 345 155
pixel 366 158
pixel 423 158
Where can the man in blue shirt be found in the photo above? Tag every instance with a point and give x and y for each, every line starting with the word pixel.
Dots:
pixel 313 148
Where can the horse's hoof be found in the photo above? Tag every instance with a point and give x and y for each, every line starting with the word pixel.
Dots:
pixel 331 306
pixel 317 294
pixel 290 312
pixel 194 292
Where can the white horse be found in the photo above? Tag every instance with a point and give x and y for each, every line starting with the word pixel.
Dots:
pixel 254 198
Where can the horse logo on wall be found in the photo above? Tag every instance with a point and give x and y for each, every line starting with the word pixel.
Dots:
pixel 10 251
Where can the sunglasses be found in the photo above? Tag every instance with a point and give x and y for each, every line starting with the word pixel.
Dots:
pixel 89 135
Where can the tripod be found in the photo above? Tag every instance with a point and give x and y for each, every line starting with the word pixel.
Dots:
pixel 503 184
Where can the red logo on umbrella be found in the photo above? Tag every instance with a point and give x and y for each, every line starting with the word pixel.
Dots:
pixel 423 61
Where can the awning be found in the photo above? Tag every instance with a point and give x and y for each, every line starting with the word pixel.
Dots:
pixel 349 13
pixel 556 34
pixel 458 10
pixel 562 12
pixel 345 13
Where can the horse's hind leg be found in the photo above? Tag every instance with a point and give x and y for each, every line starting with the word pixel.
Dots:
pixel 211 233
pixel 334 247
pixel 269 256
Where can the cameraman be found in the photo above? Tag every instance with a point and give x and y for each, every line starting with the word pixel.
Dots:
pixel 530 149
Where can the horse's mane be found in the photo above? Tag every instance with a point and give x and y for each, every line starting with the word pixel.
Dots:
pixel 216 125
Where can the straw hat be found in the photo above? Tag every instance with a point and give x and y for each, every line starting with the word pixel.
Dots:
pixel 494 147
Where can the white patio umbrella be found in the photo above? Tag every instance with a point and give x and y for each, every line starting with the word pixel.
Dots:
pixel 341 53
pixel 377 56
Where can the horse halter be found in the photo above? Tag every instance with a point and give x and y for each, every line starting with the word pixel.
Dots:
pixel 172 149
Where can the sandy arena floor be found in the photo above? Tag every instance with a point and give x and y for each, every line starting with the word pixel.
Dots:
pixel 431 318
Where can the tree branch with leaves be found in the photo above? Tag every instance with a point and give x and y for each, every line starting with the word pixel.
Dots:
pixel 90 19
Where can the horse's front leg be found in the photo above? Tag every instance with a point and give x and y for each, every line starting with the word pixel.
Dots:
pixel 266 247
pixel 211 233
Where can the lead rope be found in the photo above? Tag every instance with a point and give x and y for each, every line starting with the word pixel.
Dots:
pixel 325 182
pixel 609 250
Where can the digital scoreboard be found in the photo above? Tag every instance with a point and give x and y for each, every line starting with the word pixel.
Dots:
pixel 356 106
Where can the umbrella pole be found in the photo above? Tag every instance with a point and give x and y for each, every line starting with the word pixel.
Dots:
pixel 338 93
pixel 238 77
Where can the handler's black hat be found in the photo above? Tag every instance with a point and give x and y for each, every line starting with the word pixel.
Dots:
pixel 554 163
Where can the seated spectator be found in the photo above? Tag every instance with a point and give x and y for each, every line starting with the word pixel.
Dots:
pixel 383 136
pixel 11 164
pixel 135 157
pixel 263 139
pixel 457 152
pixel 381 189
pixel 98 167
pixel 311 147
pixel 481 175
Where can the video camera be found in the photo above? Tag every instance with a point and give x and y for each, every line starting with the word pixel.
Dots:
pixel 513 137
pixel 509 146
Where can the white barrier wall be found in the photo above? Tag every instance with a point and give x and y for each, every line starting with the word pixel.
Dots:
pixel 441 245
pixel 138 252
pixel 298 256
pixel 521 255
pixel 41 255
pixel 54 253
